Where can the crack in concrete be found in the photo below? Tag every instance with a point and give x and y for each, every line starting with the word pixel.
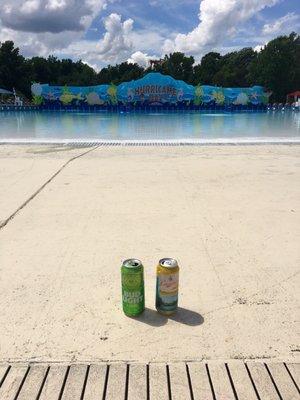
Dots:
pixel 7 220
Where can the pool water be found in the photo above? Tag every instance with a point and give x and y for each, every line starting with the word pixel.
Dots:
pixel 199 127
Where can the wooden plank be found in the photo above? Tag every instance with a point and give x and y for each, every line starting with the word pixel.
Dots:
pixel 241 381
pixel 137 387
pixel 116 382
pixel 95 383
pixel 33 382
pixel 220 381
pixel 262 381
pixel 3 369
pixel 199 381
pixel 283 381
pixel 158 382
pixel 12 382
pixel 179 381
pixel 294 369
pixel 53 383
pixel 74 385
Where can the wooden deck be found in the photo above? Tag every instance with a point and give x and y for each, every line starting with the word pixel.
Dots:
pixel 176 381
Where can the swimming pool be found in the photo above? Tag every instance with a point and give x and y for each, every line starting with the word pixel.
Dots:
pixel 196 127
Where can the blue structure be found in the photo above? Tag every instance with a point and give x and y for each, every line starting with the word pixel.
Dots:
pixel 153 90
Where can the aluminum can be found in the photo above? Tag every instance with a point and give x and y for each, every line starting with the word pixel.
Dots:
pixel 167 278
pixel 133 292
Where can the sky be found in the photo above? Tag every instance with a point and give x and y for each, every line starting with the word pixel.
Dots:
pixel 102 32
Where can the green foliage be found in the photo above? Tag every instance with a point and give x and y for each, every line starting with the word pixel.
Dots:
pixel 205 71
pixel 276 67
pixel 13 68
pixel 112 92
pixel 234 68
pixel 116 74
pixel 37 100
pixel 176 64
pixel 198 95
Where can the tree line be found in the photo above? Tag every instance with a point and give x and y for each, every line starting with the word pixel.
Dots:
pixel 276 67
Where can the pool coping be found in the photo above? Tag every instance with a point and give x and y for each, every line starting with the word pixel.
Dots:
pixel 153 142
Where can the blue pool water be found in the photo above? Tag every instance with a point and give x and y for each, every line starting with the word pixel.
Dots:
pixel 212 127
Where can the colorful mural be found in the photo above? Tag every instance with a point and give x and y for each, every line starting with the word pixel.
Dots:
pixel 153 89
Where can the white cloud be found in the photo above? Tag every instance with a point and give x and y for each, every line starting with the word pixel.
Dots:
pixel 115 46
pixel 140 58
pixel 149 39
pixel 116 42
pixel 259 48
pixel 55 4
pixel 39 44
pixel 53 16
pixel 218 21
pixel 286 23
pixel 61 38
pixel 58 27
pixel 29 6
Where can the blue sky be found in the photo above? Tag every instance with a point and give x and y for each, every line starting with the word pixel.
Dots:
pixel 110 31
pixel 172 15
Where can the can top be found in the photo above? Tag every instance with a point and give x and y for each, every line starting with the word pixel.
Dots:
pixel 132 263
pixel 168 263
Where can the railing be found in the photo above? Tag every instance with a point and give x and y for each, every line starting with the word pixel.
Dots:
pixel 148 108
pixel 211 108
pixel 12 107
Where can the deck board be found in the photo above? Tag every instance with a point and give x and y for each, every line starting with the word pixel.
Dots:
pixel 179 381
pixel 158 382
pixel 241 381
pixel 262 381
pixel 283 381
pixel 54 382
pixel 220 380
pixel 116 382
pixel 137 387
pixel 94 389
pixel 295 372
pixel 33 382
pixel 199 380
pixel 74 384
pixel 11 385
pixel 3 371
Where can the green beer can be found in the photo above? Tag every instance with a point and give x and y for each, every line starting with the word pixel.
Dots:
pixel 133 292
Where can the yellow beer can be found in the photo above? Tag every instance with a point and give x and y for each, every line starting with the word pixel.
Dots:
pixel 167 279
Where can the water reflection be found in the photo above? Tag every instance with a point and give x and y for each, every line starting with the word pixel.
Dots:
pixel 81 125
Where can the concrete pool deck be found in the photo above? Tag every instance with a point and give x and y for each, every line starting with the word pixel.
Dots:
pixel 229 214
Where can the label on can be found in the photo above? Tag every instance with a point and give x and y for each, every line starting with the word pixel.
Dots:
pixel 133 293
pixel 167 291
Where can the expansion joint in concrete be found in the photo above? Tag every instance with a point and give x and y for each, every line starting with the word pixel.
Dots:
pixel 26 202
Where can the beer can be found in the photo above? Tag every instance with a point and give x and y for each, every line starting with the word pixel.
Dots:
pixel 133 293
pixel 167 277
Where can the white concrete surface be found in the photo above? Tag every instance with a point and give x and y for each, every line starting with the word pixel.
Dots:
pixel 230 215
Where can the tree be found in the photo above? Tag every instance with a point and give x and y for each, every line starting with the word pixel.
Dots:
pixel 234 71
pixel 230 70
pixel 175 64
pixel 14 72
pixel 123 72
pixel 205 71
pixel 40 69
pixel 277 66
